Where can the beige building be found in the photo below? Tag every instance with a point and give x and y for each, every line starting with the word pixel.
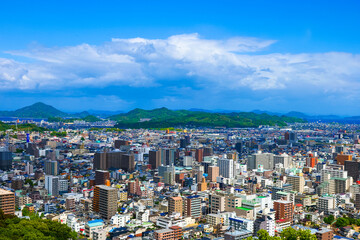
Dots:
pixel 217 203
pixel 297 182
pixel 7 201
pixel 175 205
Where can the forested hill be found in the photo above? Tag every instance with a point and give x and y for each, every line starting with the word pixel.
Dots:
pixel 163 117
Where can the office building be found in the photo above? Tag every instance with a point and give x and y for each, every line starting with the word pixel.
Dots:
pixel 264 159
pixel 155 159
pixel 353 169
pixel 7 201
pixel 5 160
pixel 168 156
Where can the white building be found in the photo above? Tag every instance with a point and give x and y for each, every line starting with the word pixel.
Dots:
pixel 52 185
pixel 120 219
pixel 226 168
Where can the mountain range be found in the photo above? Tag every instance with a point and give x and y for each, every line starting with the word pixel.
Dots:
pixel 163 117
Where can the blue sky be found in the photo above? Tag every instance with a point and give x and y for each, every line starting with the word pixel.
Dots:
pixel 238 55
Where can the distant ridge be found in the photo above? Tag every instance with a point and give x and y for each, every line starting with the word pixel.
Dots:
pixel 163 117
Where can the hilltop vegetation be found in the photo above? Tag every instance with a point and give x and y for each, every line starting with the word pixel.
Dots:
pixel 22 127
pixel 88 118
pixel 163 117
pixel 12 227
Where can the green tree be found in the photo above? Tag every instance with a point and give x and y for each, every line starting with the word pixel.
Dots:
pixel 30 182
pixel 329 219
pixel 342 222
pixel 292 234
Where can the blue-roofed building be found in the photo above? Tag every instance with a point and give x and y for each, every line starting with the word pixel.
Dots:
pixel 92 226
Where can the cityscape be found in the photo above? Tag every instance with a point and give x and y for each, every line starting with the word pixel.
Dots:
pixel 159 120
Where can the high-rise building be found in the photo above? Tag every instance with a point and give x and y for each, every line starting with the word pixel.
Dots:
pixel 284 210
pixel 5 160
pixel 51 168
pixel 7 201
pixel 264 159
pixel 192 206
pixel 105 201
pixel 199 154
pixel 226 168
pixel 284 159
pixel 52 185
pixel 353 169
pixel 155 159
pixel 213 173
pixel 168 156
pixel 297 182
pixel 116 160
pixel 175 205
pixel 101 176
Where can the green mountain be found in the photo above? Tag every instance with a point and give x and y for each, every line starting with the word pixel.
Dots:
pixel 41 110
pixel 163 117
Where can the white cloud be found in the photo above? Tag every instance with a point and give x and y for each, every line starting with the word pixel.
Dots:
pixel 227 64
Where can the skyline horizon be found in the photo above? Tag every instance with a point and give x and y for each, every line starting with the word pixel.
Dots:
pixel 117 111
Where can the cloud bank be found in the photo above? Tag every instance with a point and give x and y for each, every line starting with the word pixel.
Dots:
pixel 183 71
pixel 227 64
